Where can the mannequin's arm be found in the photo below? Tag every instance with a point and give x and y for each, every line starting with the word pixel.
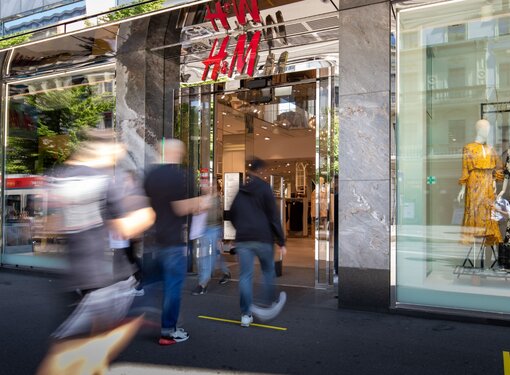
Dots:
pixel 503 189
pixel 462 192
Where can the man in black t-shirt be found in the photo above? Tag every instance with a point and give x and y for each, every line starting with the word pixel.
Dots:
pixel 166 186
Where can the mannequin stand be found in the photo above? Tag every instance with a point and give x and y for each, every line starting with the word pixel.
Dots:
pixel 480 255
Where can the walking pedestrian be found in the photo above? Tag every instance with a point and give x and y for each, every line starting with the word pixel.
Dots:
pixel 128 249
pixel 166 186
pixel 91 199
pixel 257 222
pixel 209 254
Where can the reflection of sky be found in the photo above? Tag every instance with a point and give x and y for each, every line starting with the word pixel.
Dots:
pixel 46 17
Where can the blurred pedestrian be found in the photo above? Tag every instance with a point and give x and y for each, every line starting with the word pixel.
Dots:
pixel 128 248
pixel 209 254
pixel 91 200
pixel 257 222
pixel 166 185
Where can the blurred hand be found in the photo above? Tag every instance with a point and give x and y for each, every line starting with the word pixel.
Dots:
pixel 283 251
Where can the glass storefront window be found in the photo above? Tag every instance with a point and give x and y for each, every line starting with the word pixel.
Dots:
pixel 453 70
pixel 46 118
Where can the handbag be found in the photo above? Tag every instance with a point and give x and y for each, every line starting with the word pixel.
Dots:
pixel 278 266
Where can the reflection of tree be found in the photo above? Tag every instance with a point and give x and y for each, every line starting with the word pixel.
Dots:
pixel 329 140
pixel 132 11
pixel 15 39
pixel 61 115
pixel 334 142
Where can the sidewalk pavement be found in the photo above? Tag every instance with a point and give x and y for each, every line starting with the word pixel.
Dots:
pixel 319 338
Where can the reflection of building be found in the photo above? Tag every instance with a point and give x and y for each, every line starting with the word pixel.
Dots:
pixel 421 85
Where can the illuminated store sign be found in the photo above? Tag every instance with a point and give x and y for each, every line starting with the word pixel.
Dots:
pixel 244 56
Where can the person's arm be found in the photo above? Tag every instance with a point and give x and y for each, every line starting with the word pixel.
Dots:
pixel 503 189
pixel 134 223
pixel 191 206
pixel 465 175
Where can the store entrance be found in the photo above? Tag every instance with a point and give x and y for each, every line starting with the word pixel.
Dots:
pixel 284 120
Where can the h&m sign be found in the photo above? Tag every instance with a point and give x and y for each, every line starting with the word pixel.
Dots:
pixel 244 56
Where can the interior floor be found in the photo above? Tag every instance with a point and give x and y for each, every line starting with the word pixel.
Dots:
pixel 298 264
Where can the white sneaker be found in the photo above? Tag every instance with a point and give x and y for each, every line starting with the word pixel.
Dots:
pixel 138 292
pixel 246 320
pixel 268 313
pixel 179 335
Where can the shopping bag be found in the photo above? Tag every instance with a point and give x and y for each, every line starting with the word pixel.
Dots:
pixel 278 265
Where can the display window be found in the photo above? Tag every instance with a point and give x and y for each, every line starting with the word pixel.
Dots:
pixel 453 163
pixel 46 121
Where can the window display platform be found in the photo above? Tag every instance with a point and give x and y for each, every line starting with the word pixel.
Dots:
pixel 498 273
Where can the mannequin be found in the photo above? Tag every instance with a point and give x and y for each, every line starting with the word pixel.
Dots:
pixel 480 170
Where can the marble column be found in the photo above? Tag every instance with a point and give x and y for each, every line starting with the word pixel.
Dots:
pixel 143 80
pixel 364 155
pixel 145 83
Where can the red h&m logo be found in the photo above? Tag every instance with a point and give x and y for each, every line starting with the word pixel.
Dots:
pixel 240 11
pixel 244 57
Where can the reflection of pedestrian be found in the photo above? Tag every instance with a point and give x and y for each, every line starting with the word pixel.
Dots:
pixel 257 222
pixel 166 186
pixel 209 246
pixel 90 201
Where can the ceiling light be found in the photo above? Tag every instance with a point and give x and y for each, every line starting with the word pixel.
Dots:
pixel 224 113
pixel 267 138
pixel 257 134
pixel 228 125
pixel 264 127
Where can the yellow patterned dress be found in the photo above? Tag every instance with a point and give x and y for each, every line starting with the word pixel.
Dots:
pixel 480 167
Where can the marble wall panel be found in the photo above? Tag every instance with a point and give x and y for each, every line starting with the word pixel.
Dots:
pixel 130 86
pixel 364 60
pixel 348 4
pixel 142 81
pixel 364 145
pixel 364 224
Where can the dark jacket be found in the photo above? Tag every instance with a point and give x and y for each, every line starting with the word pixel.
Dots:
pixel 254 214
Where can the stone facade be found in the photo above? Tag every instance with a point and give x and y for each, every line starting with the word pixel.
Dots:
pixel 364 155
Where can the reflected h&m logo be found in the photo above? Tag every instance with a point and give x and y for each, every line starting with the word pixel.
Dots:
pixel 244 56
pixel 240 11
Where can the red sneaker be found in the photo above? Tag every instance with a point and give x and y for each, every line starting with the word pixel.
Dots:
pixel 165 340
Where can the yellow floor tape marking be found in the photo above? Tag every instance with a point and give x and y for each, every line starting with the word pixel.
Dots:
pixel 238 322
pixel 506 362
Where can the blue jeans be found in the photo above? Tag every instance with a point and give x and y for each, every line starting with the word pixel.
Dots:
pixel 172 261
pixel 247 252
pixel 209 252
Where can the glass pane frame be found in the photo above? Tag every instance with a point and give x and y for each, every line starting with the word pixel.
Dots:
pixel 49 142
pixel 425 171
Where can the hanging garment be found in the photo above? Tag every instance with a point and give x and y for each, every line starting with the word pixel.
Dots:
pixel 480 167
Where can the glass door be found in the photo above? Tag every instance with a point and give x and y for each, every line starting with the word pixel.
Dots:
pixel 326 133
pixel 289 124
